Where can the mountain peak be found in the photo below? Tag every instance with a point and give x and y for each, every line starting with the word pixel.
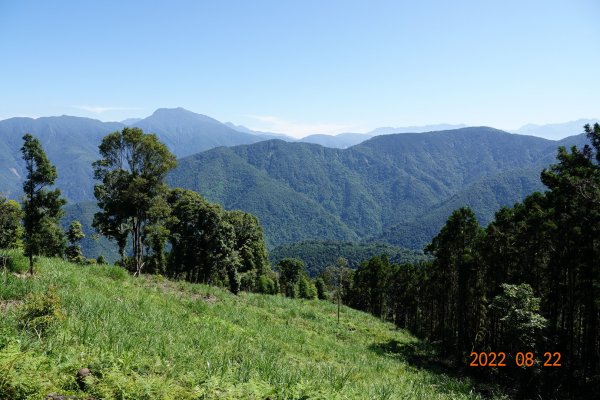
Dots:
pixel 179 114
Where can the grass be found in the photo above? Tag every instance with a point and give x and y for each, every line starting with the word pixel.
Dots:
pixel 151 338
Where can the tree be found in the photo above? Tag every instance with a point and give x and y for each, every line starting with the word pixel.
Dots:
pixel 340 270
pixel 306 289
pixel 132 171
pixel 74 236
pixel 519 314
pixel 370 284
pixel 290 270
pixel 457 279
pixel 249 242
pixel 209 244
pixel 202 241
pixel 573 301
pixel 10 223
pixel 42 208
pixel 321 288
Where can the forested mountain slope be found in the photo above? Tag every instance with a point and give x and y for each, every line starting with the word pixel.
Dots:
pixel 372 187
pixel 71 144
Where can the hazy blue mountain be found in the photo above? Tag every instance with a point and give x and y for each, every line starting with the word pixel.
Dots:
pixel 131 121
pixel 186 133
pixel 345 140
pixel 339 141
pixel 71 144
pixel 93 245
pixel 270 135
pixel 556 131
pixel 416 129
pixel 372 188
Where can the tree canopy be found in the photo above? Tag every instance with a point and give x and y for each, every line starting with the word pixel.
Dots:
pixel 131 171
pixel 42 208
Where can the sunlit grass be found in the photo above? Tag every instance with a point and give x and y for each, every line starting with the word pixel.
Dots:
pixel 150 338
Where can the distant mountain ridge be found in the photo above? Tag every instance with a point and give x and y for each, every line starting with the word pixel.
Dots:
pixel 555 131
pixel 71 143
pixel 394 188
pixel 345 140
pixel 371 189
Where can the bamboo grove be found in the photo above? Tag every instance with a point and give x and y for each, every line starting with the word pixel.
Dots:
pixel 529 282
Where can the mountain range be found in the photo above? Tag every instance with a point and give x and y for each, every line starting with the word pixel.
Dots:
pixel 71 143
pixel 396 188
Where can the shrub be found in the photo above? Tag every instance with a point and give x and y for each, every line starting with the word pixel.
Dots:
pixel 14 261
pixel 266 285
pixel 41 311
pixel 115 272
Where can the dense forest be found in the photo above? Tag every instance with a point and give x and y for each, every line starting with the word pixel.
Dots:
pixel 524 291
pixel 318 255
pixel 524 288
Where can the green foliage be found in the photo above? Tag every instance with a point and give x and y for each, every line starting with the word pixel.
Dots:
pixel 151 338
pixel 93 244
pixel 321 289
pixel 397 188
pixel 249 241
pixel 132 171
pixel 317 255
pixel 518 310
pixel 370 285
pixel 10 223
pixel 290 271
pixel 267 285
pixel 306 288
pixel 41 311
pixel 74 236
pixel 528 282
pixel 24 374
pixel 14 261
pixel 42 209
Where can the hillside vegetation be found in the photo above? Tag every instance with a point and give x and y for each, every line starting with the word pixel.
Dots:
pixel 318 255
pixel 151 338
pixel 377 189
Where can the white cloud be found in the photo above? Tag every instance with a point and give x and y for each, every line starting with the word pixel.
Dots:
pixel 296 129
pixel 101 109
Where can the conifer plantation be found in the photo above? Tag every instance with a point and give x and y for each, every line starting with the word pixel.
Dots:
pixel 528 282
pixel 194 310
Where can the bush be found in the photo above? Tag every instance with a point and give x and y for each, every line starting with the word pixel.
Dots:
pixel 102 260
pixel 306 289
pixel 14 261
pixel 266 285
pixel 41 311
pixel 115 272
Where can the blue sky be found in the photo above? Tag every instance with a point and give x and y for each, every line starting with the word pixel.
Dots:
pixel 302 67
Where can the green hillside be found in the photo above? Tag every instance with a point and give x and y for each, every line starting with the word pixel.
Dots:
pixel 72 145
pixel 149 338
pixel 300 191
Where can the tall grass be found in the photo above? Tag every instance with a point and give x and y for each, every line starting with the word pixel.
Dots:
pixel 150 338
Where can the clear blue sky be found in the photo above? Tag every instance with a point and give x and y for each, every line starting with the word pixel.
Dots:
pixel 304 66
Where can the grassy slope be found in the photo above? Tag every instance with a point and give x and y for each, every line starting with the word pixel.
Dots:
pixel 149 338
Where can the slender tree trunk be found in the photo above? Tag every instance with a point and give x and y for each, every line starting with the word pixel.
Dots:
pixel 339 305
